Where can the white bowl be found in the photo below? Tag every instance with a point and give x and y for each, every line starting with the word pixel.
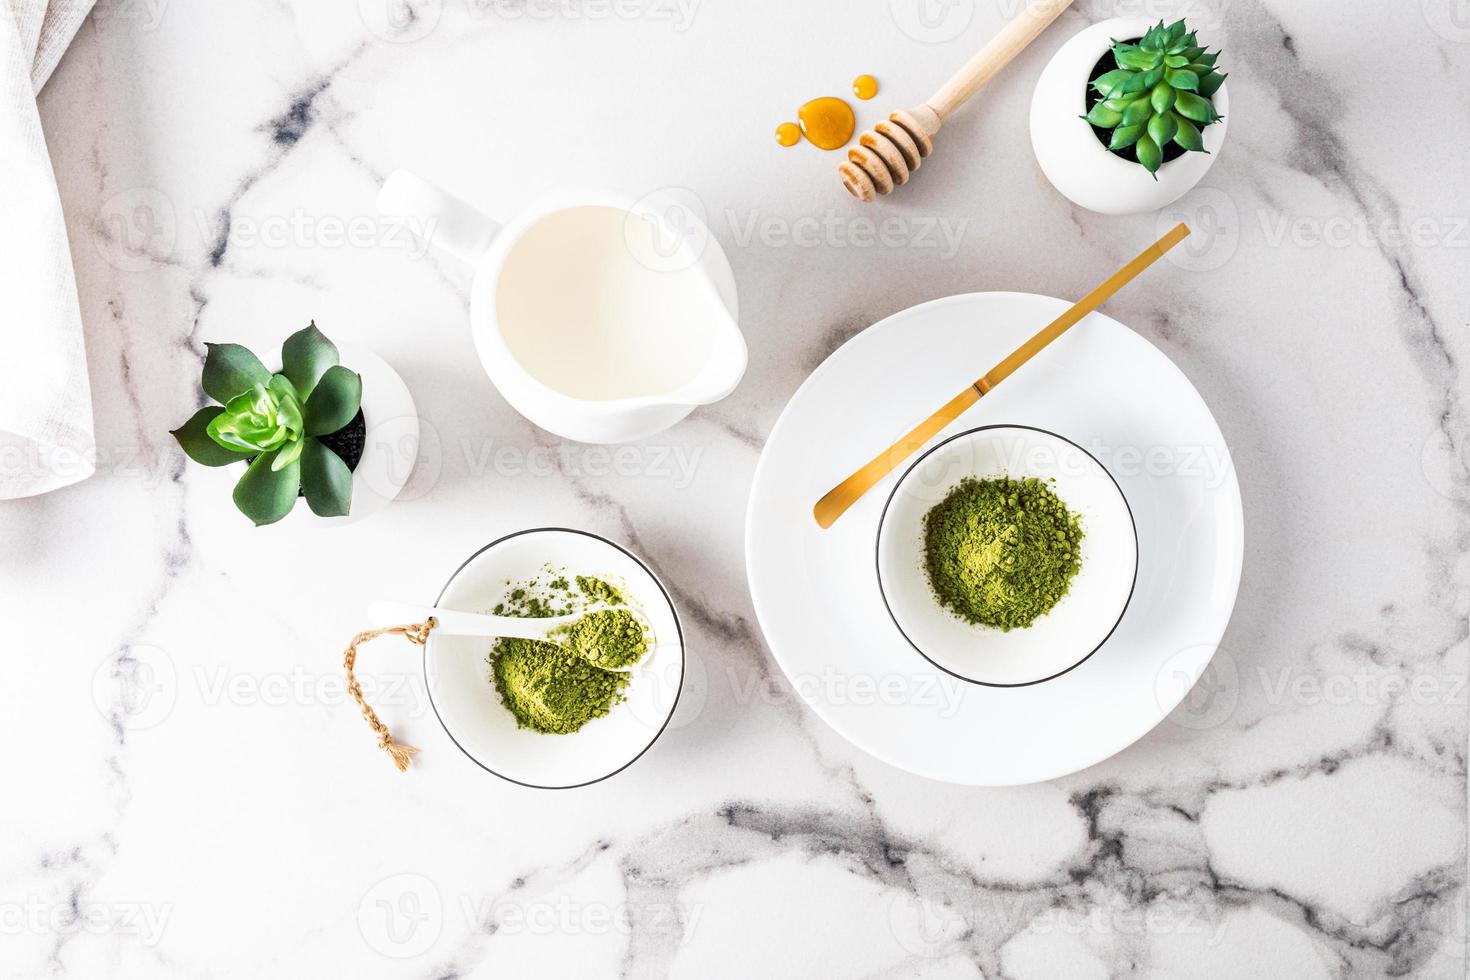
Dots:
pixel 469 707
pixel 1082 168
pixel 1085 617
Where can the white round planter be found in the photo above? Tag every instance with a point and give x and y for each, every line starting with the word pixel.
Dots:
pixel 1073 159
pixel 390 445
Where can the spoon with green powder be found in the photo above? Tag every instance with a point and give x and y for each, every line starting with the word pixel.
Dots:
pixel 609 637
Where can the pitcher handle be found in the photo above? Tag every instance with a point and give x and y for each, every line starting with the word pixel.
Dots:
pixel 444 221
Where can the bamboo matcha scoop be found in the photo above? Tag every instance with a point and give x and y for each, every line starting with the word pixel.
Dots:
pixel 837 500
pixel 890 151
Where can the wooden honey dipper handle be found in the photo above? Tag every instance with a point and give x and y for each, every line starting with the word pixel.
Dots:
pixel 893 149
pixel 997 53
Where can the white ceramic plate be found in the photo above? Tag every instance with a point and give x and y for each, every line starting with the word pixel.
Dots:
pixel 816 592
pixel 465 699
pixel 1078 625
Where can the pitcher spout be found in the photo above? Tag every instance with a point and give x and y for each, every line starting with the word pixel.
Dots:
pixel 721 373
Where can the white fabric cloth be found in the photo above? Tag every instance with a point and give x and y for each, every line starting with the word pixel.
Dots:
pixel 59 22
pixel 45 402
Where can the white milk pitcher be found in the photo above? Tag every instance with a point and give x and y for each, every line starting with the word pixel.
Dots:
pixel 599 318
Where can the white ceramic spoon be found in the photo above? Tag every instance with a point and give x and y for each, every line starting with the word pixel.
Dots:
pixel 452 622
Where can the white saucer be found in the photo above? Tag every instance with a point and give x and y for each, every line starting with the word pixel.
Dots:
pixel 816 592
pixel 1078 625
pixel 465 699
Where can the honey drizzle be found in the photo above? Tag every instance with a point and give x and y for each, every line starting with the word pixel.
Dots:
pixel 827 122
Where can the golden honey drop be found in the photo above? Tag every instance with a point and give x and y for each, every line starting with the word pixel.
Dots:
pixel 788 133
pixel 827 122
pixel 865 87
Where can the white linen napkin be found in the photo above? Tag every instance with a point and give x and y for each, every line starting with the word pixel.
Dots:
pixel 45 403
pixel 60 21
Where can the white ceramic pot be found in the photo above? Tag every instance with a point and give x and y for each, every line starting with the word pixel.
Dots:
pixel 462 232
pixel 1073 159
pixel 390 445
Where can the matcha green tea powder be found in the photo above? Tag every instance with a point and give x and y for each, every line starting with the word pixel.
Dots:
pixel 1001 552
pixel 550 689
pixel 557 685
pixel 612 639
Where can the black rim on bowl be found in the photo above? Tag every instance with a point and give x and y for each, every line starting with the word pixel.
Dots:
pixel 883 520
pixel 678 628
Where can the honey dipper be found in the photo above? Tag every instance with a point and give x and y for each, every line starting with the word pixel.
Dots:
pixel 890 151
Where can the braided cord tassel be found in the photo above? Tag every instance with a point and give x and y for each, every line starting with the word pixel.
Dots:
pixel 416 633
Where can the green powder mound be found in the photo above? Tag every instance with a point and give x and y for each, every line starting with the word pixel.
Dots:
pixel 550 689
pixel 609 638
pixel 1001 552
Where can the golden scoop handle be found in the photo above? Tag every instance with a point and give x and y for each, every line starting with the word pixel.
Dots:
pixel 850 490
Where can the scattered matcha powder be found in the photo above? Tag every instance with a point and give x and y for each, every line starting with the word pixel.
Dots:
pixel 1001 552
pixel 598 590
pixel 557 687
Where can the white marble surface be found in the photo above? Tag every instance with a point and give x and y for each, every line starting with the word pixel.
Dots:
pixel 187 794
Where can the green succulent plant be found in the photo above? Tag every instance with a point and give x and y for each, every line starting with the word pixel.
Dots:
pixel 1160 93
pixel 273 422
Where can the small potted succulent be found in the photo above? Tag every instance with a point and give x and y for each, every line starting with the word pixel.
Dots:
pixel 301 432
pixel 1128 115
